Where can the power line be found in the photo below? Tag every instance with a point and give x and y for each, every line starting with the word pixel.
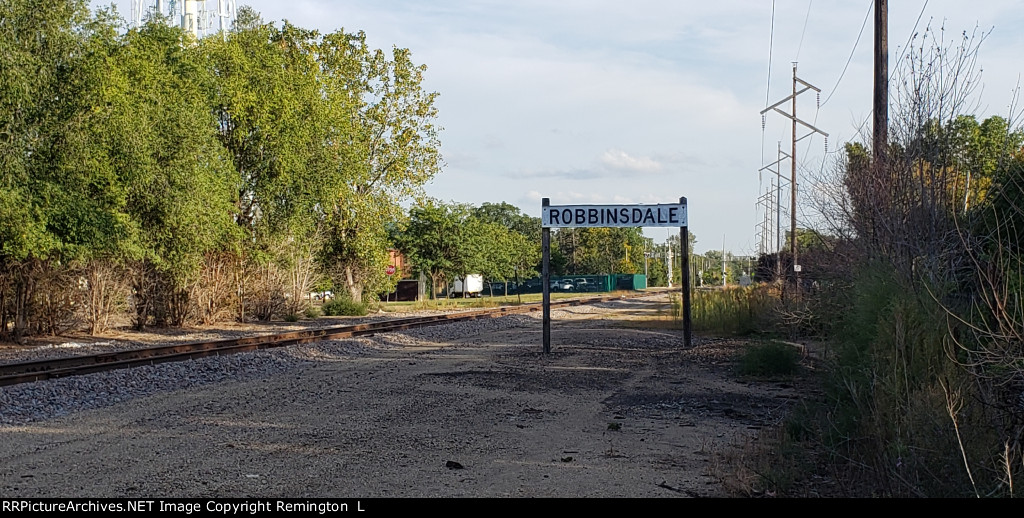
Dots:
pixel 771 42
pixel 912 33
pixel 768 87
pixel 804 31
pixel 849 59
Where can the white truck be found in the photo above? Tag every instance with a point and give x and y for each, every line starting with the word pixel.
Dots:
pixel 473 287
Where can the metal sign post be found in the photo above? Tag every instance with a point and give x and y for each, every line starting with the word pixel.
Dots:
pixel 573 216
pixel 684 244
pixel 546 279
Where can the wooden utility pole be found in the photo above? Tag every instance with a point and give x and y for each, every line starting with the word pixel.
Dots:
pixel 792 156
pixel 723 261
pixel 881 101
pixel 792 191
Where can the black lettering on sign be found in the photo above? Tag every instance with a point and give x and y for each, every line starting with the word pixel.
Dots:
pixel 637 216
pixel 672 217
pixel 610 216
pixel 581 216
pixel 649 216
pixel 553 217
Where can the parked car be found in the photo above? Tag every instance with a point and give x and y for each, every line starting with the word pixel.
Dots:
pixel 501 288
pixel 321 295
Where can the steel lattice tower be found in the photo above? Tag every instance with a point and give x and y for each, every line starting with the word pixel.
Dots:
pixel 199 17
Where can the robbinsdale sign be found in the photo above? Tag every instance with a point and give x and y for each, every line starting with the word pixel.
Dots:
pixel 568 216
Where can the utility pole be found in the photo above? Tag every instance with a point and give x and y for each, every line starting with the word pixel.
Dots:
pixel 646 276
pixel 881 100
pixel 792 155
pixel 723 260
pixel 668 256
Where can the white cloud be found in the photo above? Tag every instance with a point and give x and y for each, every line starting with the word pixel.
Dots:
pixel 597 101
pixel 619 160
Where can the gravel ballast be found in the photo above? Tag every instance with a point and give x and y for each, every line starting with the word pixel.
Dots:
pixel 618 409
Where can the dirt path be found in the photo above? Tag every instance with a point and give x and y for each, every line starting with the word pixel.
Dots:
pixel 618 409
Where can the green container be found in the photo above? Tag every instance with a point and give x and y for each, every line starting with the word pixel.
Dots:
pixel 630 282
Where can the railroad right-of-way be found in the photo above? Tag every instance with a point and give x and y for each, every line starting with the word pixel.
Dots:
pixel 618 409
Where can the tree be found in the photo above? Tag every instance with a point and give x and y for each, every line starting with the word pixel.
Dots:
pixel 290 145
pixel 269 157
pixel 510 217
pixel 160 137
pixel 60 199
pixel 390 154
pixel 602 250
pixel 925 297
pixel 437 241
pixel 513 243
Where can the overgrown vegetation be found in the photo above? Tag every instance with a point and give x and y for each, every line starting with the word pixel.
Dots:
pixel 926 337
pixel 769 359
pixel 733 311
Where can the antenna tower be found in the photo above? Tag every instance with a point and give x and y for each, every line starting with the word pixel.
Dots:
pixel 199 17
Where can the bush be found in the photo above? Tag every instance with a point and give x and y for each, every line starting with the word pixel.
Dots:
pixel 344 307
pixel 770 359
pixel 312 312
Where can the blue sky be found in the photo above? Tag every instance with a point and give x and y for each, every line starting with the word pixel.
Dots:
pixel 643 102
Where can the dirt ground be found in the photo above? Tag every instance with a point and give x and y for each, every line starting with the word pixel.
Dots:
pixel 618 409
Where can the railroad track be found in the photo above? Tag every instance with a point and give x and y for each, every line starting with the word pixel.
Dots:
pixel 26 372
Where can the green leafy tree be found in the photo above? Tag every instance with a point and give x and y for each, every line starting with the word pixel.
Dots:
pixel 386 157
pixel 603 250
pixel 177 180
pixel 512 244
pixel 60 200
pixel 442 241
pixel 510 217
pixel 282 134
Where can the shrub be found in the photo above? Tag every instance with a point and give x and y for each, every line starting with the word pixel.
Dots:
pixel 770 359
pixel 344 307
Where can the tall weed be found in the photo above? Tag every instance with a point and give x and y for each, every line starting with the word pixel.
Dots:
pixel 733 311
pixel 892 390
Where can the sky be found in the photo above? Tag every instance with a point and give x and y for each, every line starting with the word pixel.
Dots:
pixel 602 102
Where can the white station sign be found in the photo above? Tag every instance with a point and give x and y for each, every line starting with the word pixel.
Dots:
pixel 568 216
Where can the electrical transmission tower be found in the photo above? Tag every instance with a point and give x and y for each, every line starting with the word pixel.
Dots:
pixel 799 86
pixel 199 17
pixel 770 228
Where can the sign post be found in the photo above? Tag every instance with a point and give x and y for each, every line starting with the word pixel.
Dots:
pixel 545 245
pixel 684 244
pixel 390 270
pixel 576 216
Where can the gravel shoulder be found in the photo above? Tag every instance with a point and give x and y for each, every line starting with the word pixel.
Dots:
pixel 618 409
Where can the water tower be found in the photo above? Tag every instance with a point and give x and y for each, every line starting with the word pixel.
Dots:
pixel 199 17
